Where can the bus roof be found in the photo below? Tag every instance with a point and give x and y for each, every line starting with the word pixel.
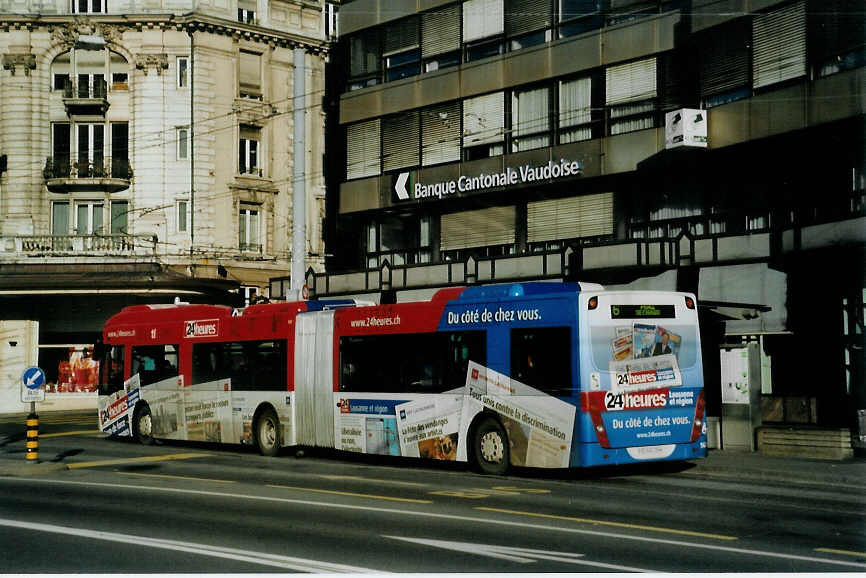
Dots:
pixel 529 289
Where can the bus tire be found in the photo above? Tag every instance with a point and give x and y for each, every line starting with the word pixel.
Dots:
pixel 268 432
pixel 490 450
pixel 142 424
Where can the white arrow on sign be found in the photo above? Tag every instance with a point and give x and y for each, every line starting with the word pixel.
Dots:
pixel 400 187
pixel 512 554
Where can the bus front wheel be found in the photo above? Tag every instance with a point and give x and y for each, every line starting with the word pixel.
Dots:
pixel 142 424
pixel 490 447
pixel 268 432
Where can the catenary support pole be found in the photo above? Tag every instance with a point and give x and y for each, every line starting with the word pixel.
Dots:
pixel 32 451
pixel 299 156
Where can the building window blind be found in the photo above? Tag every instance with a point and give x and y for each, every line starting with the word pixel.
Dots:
pixel 440 30
pixel 362 149
pixel 724 69
pixel 482 18
pixel 479 228
pixel 527 16
pixel 575 110
pixel 779 45
pixel 631 91
pixel 530 116
pixel 836 38
pixel 484 119
pixel 250 74
pixel 571 218
pixel 401 35
pixel 440 134
pixel 400 141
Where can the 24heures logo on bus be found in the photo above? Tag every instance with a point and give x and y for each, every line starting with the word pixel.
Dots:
pixel 203 328
pixel 653 399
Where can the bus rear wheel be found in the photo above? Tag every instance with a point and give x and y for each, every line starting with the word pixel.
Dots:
pixel 490 447
pixel 268 432
pixel 142 424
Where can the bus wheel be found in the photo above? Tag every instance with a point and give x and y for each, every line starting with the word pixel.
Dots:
pixel 268 432
pixel 490 447
pixel 142 424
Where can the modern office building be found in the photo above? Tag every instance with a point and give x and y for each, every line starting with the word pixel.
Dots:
pixel 146 154
pixel 709 146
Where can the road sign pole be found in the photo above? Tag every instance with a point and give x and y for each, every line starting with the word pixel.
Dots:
pixel 32 453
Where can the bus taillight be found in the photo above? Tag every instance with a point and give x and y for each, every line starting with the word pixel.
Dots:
pixel 690 303
pixel 593 303
pixel 700 407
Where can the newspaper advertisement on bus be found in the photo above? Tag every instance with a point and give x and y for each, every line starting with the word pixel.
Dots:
pixel 429 427
pixel 644 356
pixel 540 427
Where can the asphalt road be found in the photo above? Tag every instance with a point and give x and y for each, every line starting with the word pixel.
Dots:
pixel 123 507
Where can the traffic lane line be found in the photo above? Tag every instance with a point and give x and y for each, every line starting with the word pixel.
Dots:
pixel 609 523
pixel 170 477
pixel 248 556
pixel 841 552
pixel 452 517
pixel 142 459
pixel 353 494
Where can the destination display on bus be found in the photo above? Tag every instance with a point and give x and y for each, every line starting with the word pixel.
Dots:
pixel 642 311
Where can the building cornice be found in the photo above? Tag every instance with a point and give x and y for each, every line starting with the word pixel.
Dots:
pixel 189 23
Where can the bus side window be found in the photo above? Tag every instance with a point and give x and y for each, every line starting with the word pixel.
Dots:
pixel 541 358
pixel 154 363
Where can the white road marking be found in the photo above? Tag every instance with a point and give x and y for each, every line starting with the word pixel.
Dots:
pixel 260 558
pixel 522 555
pixel 434 515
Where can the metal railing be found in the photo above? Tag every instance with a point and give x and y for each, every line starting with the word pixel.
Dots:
pixel 66 168
pixel 97 89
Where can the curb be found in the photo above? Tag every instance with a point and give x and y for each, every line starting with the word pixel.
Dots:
pixel 854 480
pixel 37 469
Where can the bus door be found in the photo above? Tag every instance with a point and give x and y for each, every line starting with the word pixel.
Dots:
pixel 314 379
pixel 641 381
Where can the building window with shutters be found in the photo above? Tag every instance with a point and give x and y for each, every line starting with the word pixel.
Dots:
pixel 250 75
pixel 527 23
pixel 575 110
pixel 631 96
pixel 836 38
pixel 401 50
pixel 487 232
pixel 530 119
pixel 440 38
pixel 483 28
pixel 725 55
pixel 483 126
pixel 363 156
pixel 182 216
pixel 550 223
pixel 779 45
pixel 89 6
pixel 182 71
pixel 249 231
pixel 249 155
pixel 365 57
pixel 247 11
pixel 578 16
pixel 400 141
pixel 440 134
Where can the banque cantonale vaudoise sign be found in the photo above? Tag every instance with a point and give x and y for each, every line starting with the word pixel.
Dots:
pixel 465 183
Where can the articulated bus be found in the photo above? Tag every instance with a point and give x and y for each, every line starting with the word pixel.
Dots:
pixel 550 375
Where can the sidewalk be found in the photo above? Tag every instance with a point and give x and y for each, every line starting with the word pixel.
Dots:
pixel 760 467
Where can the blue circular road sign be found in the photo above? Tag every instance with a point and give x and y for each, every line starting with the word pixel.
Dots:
pixel 33 378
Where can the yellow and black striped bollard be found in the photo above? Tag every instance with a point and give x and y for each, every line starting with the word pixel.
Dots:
pixel 32 438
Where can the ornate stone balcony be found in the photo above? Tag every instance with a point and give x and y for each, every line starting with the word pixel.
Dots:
pixel 63 175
